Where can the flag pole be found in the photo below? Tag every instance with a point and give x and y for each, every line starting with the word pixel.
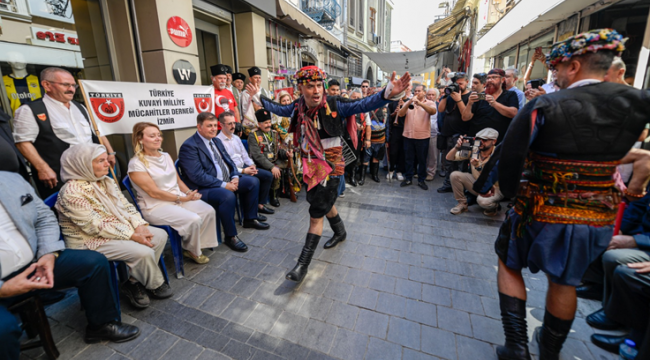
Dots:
pixel 92 120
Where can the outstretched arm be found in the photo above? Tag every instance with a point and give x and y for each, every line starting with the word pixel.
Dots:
pixel 392 92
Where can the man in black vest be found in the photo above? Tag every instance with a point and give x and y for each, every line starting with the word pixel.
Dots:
pixel 316 122
pixel 567 144
pixel 45 128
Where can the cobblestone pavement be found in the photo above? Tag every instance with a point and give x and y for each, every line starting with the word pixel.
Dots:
pixel 411 282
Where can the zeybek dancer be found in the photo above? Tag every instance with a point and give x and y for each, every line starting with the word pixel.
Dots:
pixel 567 144
pixel 316 124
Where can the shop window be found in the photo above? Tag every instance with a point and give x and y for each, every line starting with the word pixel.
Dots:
pixel 14 7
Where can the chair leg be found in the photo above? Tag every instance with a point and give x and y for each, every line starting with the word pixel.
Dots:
pixel 238 206
pixel 177 251
pixel 218 231
pixel 116 285
pixel 44 331
pixel 163 268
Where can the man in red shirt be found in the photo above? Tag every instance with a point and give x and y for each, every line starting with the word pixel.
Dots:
pixel 224 100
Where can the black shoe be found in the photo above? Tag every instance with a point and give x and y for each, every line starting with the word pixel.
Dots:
pixel 374 171
pixel 255 224
pixel 261 217
pixel 513 316
pixel 591 291
pixel 339 232
pixel 162 292
pixel 273 199
pixel 405 183
pixel 265 210
pixel 600 321
pixel 422 185
pixel 552 335
pixel 362 179
pixel 610 343
pixel 443 174
pixel 235 244
pixel 136 293
pixel 114 331
pixel 298 273
pixel 444 189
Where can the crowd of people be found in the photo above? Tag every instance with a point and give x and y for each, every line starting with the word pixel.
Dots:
pixel 479 133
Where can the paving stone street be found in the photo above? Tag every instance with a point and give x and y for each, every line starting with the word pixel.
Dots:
pixel 411 282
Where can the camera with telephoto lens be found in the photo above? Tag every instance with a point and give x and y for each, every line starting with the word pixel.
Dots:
pixel 470 145
pixel 453 87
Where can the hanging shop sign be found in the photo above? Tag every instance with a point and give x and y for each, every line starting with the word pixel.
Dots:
pixel 116 106
pixel 184 72
pixel 59 10
pixel 55 38
pixel 179 31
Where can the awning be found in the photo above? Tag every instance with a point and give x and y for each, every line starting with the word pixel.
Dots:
pixel 413 61
pixel 442 34
pixel 293 17
pixel 528 18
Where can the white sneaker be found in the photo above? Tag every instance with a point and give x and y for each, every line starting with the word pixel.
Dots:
pixel 400 177
pixel 389 175
pixel 342 195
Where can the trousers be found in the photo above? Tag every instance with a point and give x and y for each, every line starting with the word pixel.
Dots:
pixel 224 201
pixel 629 298
pixel 86 270
pixel 195 221
pixel 432 158
pixel 396 154
pixel 141 259
pixel 613 259
pixel 265 178
pixel 461 181
pixel 415 153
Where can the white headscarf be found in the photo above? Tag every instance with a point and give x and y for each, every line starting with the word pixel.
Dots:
pixel 77 164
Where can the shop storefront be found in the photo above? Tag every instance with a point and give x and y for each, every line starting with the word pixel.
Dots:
pixel 630 18
pixel 36 34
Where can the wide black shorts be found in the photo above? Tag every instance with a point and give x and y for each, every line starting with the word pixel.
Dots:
pixel 322 198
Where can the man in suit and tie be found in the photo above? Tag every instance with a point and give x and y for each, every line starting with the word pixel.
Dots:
pixel 33 258
pixel 206 166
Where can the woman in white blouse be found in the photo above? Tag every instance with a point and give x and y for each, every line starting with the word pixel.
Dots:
pixel 163 197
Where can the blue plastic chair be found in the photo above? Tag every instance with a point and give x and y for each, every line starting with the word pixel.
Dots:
pixel 245 142
pixel 50 202
pixel 174 237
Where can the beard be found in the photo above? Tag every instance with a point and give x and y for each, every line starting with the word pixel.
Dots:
pixel 491 88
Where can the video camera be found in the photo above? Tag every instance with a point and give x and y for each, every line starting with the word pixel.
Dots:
pixel 470 145
pixel 453 87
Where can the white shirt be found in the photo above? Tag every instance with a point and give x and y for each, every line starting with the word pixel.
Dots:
pixel 162 172
pixel 236 151
pixel 68 124
pixel 15 251
pixel 549 88
pixel 216 164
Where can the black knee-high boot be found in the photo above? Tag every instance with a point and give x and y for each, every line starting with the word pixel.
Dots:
pixel 336 223
pixel 300 270
pixel 552 335
pixel 374 171
pixel 362 180
pixel 513 316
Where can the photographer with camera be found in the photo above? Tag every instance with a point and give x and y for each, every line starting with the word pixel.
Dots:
pixel 478 150
pixel 493 109
pixel 452 104
pixel 417 131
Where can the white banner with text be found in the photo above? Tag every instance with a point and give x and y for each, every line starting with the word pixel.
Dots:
pixel 117 106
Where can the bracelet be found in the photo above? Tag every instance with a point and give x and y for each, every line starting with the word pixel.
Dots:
pixel 188 191
pixel 635 196
pixel 178 199
pixel 111 153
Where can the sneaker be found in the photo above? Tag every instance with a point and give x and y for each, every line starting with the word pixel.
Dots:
pixel 136 294
pixel 459 209
pixel 492 212
pixel 422 185
pixel 429 178
pixel 443 174
pixel 162 292
pixel 406 183
pixel 389 175
pixel 400 177
pixel 415 176
pixel 342 195
pixel 444 189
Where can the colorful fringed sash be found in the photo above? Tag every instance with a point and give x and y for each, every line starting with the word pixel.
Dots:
pixel 568 192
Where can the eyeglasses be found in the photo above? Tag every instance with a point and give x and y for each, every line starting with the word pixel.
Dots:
pixel 364 86
pixel 65 85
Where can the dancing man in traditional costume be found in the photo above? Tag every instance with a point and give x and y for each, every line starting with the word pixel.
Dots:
pixel 316 124
pixel 567 145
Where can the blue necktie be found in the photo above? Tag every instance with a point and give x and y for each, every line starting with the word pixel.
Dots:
pixel 219 160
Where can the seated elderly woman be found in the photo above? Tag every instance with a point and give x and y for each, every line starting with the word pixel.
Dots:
pixel 165 199
pixel 93 214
